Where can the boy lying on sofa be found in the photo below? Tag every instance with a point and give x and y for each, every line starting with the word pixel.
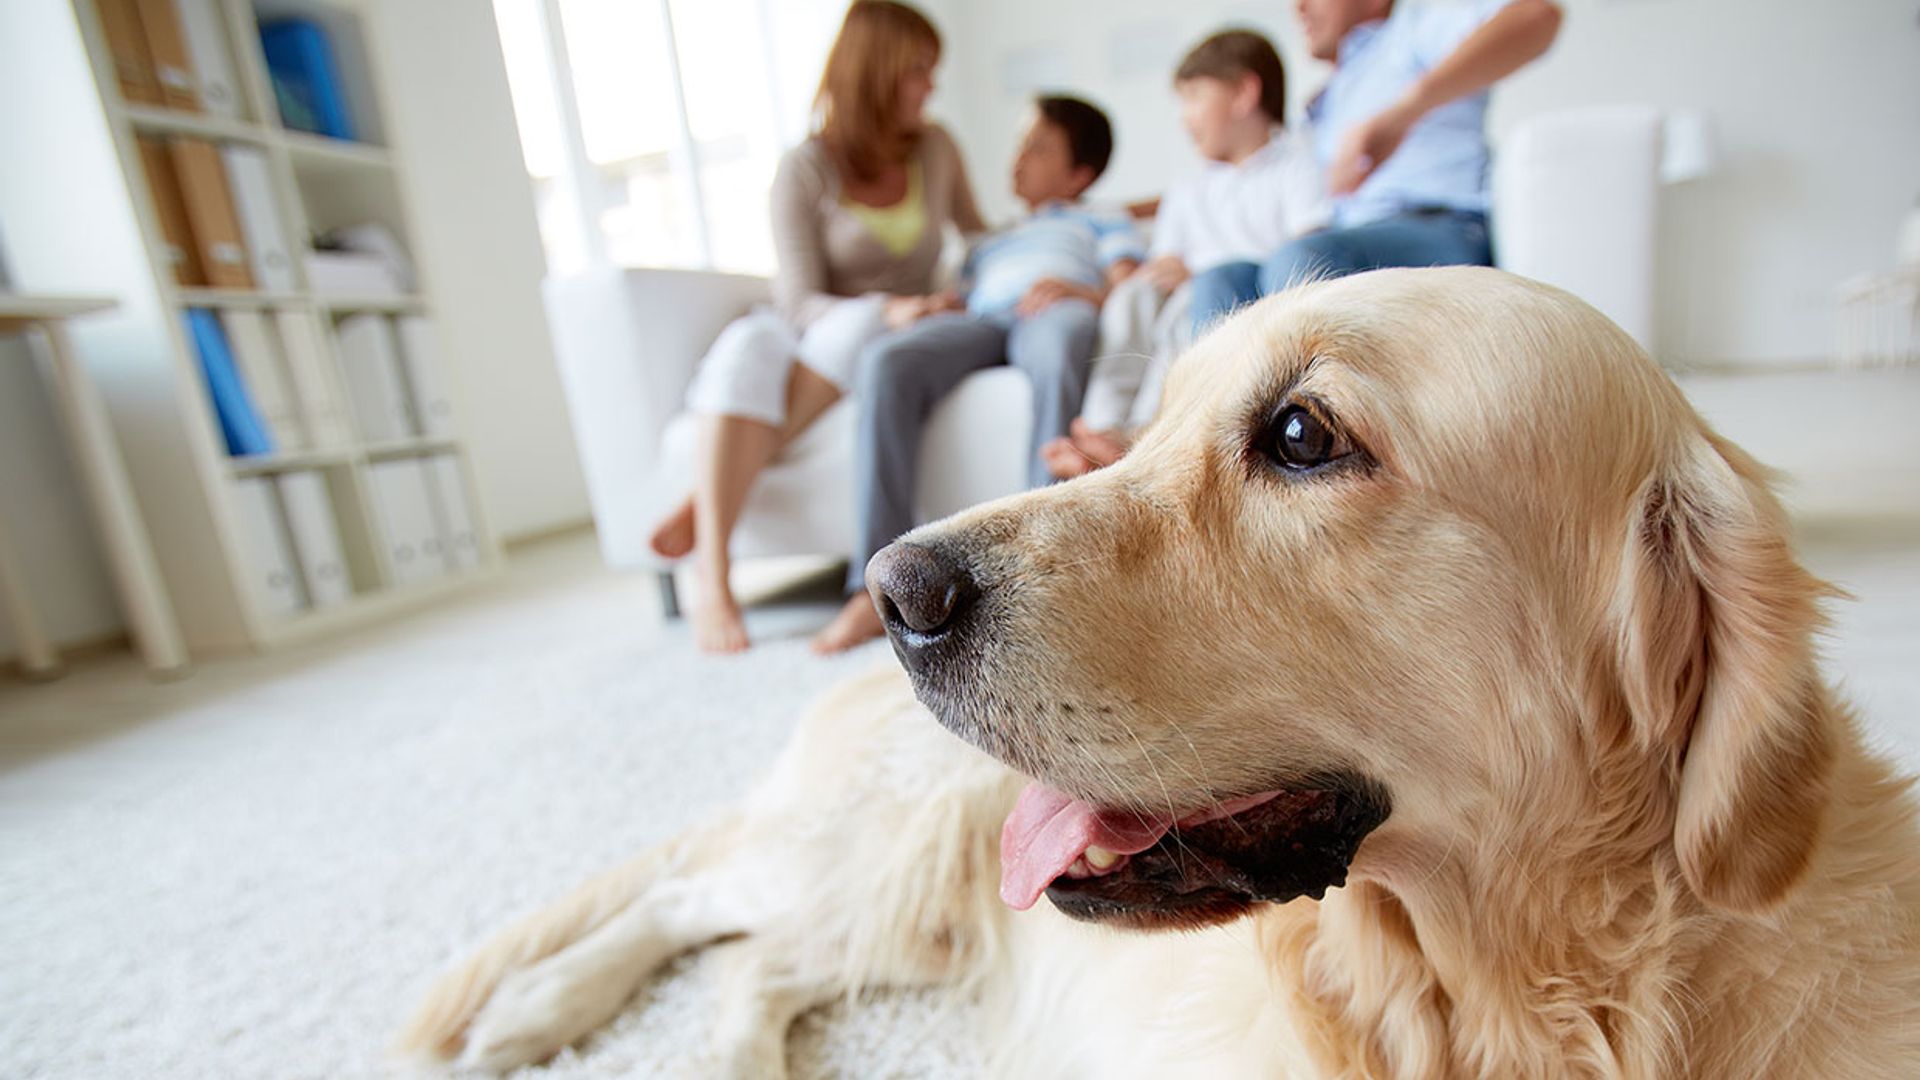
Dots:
pixel 1032 295
pixel 1400 138
pixel 1259 187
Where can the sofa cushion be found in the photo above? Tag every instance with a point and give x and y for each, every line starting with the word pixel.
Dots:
pixel 974 450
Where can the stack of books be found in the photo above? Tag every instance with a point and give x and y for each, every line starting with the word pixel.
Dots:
pixel 306 81
pixel 272 389
pixel 292 534
pixel 218 217
pixel 294 539
pixel 173 54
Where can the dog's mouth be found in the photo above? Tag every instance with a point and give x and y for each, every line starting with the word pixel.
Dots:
pixel 1151 871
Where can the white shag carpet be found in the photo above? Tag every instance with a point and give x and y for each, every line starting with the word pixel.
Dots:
pixel 255 872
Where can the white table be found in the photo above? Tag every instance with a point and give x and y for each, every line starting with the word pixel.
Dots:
pixel 136 574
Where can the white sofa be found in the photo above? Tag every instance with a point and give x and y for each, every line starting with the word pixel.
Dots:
pixel 1574 205
pixel 628 341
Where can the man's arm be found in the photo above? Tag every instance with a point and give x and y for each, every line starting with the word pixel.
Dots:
pixel 1504 44
pixel 1512 39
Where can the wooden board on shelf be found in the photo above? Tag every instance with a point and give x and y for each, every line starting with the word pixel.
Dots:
pixel 240 298
pixel 163 121
pixel 400 303
pixel 321 152
pixel 257 464
pixel 414 447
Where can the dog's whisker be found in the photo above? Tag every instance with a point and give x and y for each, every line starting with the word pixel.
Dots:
pixel 1202 777
pixel 1173 812
pixel 1113 780
pixel 1197 778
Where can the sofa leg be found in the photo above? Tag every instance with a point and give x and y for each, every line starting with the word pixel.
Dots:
pixel 669 594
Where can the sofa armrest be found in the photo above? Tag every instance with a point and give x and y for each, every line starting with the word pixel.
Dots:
pixel 640 333
pixel 1575 201
pixel 627 342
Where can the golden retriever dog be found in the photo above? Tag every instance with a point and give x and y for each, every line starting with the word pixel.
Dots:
pixel 1430 663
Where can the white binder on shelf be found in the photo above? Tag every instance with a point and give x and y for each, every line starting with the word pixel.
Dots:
pixel 212 58
pixel 259 214
pixel 458 536
pixel 316 537
pixel 273 569
pixel 409 524
pixel 426 381
pixel 256 352
pixel 371 362
pixel 314 385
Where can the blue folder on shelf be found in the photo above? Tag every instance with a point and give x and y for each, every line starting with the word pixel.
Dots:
pixel 240 422
pixel 306 81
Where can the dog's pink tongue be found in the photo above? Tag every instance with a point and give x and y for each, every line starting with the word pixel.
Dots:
pixel 1048 830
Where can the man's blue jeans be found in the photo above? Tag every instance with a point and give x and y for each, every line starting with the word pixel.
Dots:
pixel 1416 238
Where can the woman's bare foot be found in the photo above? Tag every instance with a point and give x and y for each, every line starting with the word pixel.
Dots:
pixel 717 624
pixel 857 622
pixel 673 537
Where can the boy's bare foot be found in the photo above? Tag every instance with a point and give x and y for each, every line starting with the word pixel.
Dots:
pixel 673 537
pixel 1103 448
pixel 1064 460
pixel 1081 451
pixel 857 622
pixel 717 624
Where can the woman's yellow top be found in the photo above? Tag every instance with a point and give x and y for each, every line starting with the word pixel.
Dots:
pixel 897 227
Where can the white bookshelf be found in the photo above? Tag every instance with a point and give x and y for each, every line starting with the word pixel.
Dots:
pixel 150 369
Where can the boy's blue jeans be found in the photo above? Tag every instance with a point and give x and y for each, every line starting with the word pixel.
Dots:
pixel 905 374
pixel 1415 238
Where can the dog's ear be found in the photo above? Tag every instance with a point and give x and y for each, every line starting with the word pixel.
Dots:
pixel 1717 659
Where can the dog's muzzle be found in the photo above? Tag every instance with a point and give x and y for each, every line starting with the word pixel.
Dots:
pixel 924 597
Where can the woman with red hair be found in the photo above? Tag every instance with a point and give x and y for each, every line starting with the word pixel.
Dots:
pixel 860 211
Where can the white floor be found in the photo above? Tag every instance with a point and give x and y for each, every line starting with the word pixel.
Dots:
pixel 252 872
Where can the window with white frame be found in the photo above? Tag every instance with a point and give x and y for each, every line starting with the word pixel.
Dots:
pixel 651 128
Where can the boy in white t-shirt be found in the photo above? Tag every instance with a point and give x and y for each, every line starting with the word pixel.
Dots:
pixel 1260 186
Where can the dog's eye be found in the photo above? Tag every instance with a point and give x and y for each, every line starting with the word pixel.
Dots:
pixel 1301 440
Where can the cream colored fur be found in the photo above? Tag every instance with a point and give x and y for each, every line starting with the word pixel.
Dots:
pixel 1633 831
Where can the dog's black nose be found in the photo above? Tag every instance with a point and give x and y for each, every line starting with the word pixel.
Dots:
pixel 919 589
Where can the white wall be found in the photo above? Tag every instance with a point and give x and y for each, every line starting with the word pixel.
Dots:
pixel 1817 106
pixel 446 93
pixel 1844 442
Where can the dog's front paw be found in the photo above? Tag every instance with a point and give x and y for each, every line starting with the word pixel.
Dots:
pixel 760 1057
pixel 536 1013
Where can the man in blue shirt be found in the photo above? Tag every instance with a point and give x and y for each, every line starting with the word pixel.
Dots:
pixel 1400 128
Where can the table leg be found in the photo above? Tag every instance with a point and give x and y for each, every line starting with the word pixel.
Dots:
pixel 135 570
pixel 38 657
